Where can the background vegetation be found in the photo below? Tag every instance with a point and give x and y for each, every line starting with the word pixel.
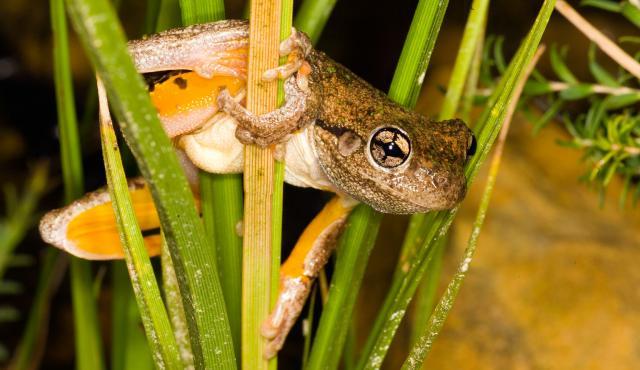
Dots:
pixel 600 117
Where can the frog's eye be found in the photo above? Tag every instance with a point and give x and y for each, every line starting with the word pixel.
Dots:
pixel 390 147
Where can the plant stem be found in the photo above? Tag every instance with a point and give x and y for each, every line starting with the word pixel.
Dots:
pixel 264 36
pixel 604 43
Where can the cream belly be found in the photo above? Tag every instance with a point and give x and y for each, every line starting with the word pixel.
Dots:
pixel 214 148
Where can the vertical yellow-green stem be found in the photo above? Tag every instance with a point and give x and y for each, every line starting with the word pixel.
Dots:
pixel 257 259
pixel 286 20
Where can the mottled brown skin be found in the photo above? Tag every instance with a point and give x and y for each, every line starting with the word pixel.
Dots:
pixel 350 111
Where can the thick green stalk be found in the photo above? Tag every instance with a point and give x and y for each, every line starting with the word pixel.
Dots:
pixel 102 36
pixel 152 311
pixel 355 246
pixel 437 223
pixel 221 198
pixel 194 11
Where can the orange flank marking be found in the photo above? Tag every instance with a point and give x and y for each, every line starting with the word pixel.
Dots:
pixel 95 232
pixel 332 212
pixel 187 92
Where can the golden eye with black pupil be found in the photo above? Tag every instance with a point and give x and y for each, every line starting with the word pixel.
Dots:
pixel 390 147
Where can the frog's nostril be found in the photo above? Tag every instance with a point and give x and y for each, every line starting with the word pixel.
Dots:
pixel 472 146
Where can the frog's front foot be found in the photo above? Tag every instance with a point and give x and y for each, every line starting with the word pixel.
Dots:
pixel 297 48
pixel 273 127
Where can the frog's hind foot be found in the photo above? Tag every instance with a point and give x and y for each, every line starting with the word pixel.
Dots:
pixel 293 294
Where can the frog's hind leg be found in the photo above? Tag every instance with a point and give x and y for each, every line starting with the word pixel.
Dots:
pixel 307 259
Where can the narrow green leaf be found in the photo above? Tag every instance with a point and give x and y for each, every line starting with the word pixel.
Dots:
pixel 103 39
pixel 160 336
pixel 470 38
pixel 355 246
pixel 52 270
pixel 631 12
pixel 549 114
pixel 416 52
pixel 560 67
pixel 436 224
pixel 614 102
pixel 87 334
pixel 536 88
pixel 129 347
pixel 600 74
pixel 312 16
pixel 612 6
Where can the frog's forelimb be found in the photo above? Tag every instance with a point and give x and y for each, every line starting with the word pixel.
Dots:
pixel 275 126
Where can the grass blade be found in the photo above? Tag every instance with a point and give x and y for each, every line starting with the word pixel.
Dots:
pixel 87 341
pixel 422 345
pixel 312 17
pixel 154 315
pixel 103 39
pixel 355 246
pixel 129 347
pixel 437 223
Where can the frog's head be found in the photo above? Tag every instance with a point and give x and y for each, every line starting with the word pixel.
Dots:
pixel 412 165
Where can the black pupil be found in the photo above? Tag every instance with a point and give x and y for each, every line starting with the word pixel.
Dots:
pixel 392 149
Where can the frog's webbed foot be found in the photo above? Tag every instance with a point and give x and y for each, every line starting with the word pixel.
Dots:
pixel 273 127
pixel 223 63
pixel 299 270
pixel 291 299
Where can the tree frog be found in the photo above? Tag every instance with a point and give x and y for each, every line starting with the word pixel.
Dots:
pixel 335 133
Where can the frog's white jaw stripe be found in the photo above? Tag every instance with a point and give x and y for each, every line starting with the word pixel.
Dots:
pixel 87 227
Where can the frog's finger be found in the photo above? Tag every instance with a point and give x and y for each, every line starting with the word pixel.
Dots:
pixel 87 227
pixel 307 259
